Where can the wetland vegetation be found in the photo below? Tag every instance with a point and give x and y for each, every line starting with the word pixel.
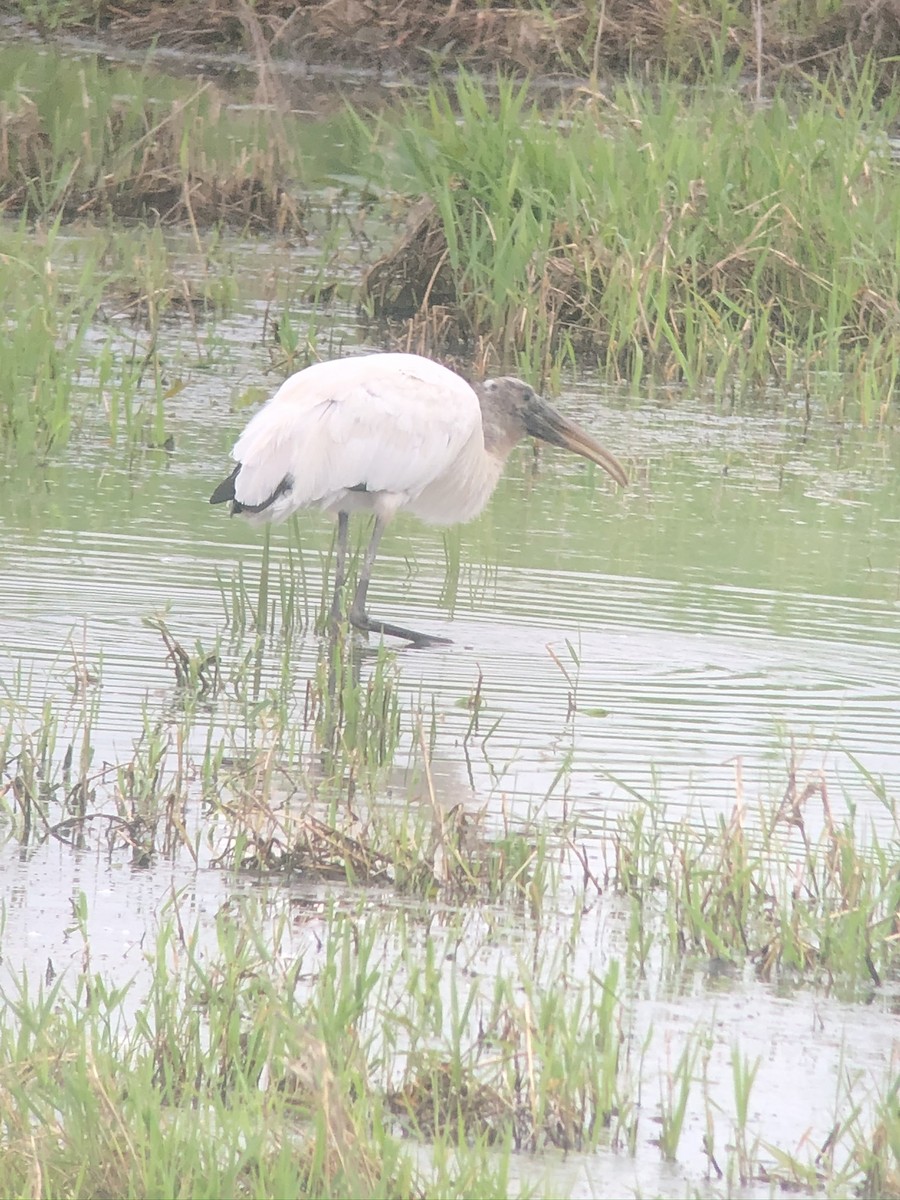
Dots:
pixel 580 37
pixel 606 897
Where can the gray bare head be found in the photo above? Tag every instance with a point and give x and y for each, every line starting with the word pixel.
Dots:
pixel 511 410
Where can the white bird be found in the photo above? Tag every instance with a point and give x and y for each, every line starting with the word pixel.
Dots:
pixel 381 432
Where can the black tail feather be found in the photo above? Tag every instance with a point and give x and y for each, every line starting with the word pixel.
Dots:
pixel 225 491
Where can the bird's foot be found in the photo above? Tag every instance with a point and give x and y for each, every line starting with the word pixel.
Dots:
pixel 418 641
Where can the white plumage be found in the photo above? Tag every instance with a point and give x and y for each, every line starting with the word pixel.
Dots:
pixel 406 427
pixel 383 432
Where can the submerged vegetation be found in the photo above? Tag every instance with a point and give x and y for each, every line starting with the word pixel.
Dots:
pixel 289 789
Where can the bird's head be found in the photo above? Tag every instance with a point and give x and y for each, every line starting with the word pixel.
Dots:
pixel 511 410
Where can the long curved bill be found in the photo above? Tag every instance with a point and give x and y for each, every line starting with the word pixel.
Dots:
pixel 544 422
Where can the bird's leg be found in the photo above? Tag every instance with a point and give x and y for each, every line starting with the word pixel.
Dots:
pixel 360 619
pixel 340 567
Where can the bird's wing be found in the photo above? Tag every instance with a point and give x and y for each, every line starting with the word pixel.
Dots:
pixel 386 422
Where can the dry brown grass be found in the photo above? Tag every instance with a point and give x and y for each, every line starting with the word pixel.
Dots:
pixel 580 36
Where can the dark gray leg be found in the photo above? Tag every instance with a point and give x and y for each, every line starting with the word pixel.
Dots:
pixel 340 567
pixel 360 619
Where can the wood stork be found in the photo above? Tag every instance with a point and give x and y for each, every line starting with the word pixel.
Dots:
pixel 381 432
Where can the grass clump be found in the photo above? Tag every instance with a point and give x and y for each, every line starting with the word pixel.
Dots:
pixel 292 781
pixel 80 143
pixel 211 1084
pixel 543 1072
pixel 86 342
pixel 45 341
pixel 261 1063
pixel 321 826
pixel 679 232
pixel 302 1045
pixel 820 907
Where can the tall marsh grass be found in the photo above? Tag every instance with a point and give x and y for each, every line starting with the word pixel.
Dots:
pixel 45 333
pixel 682 232
pixel 133 144
pixel 84 338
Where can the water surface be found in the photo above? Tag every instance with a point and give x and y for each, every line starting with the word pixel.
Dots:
pixel 706 615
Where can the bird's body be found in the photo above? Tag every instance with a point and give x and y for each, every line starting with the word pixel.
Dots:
pixel 376 433
pixel 383 432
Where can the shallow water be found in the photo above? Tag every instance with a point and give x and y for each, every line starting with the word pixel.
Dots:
pixel 716 619
pixel 812 1051
pixel 701 618
pixel 740 603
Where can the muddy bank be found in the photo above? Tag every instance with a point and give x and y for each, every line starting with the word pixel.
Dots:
pixel 529 36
